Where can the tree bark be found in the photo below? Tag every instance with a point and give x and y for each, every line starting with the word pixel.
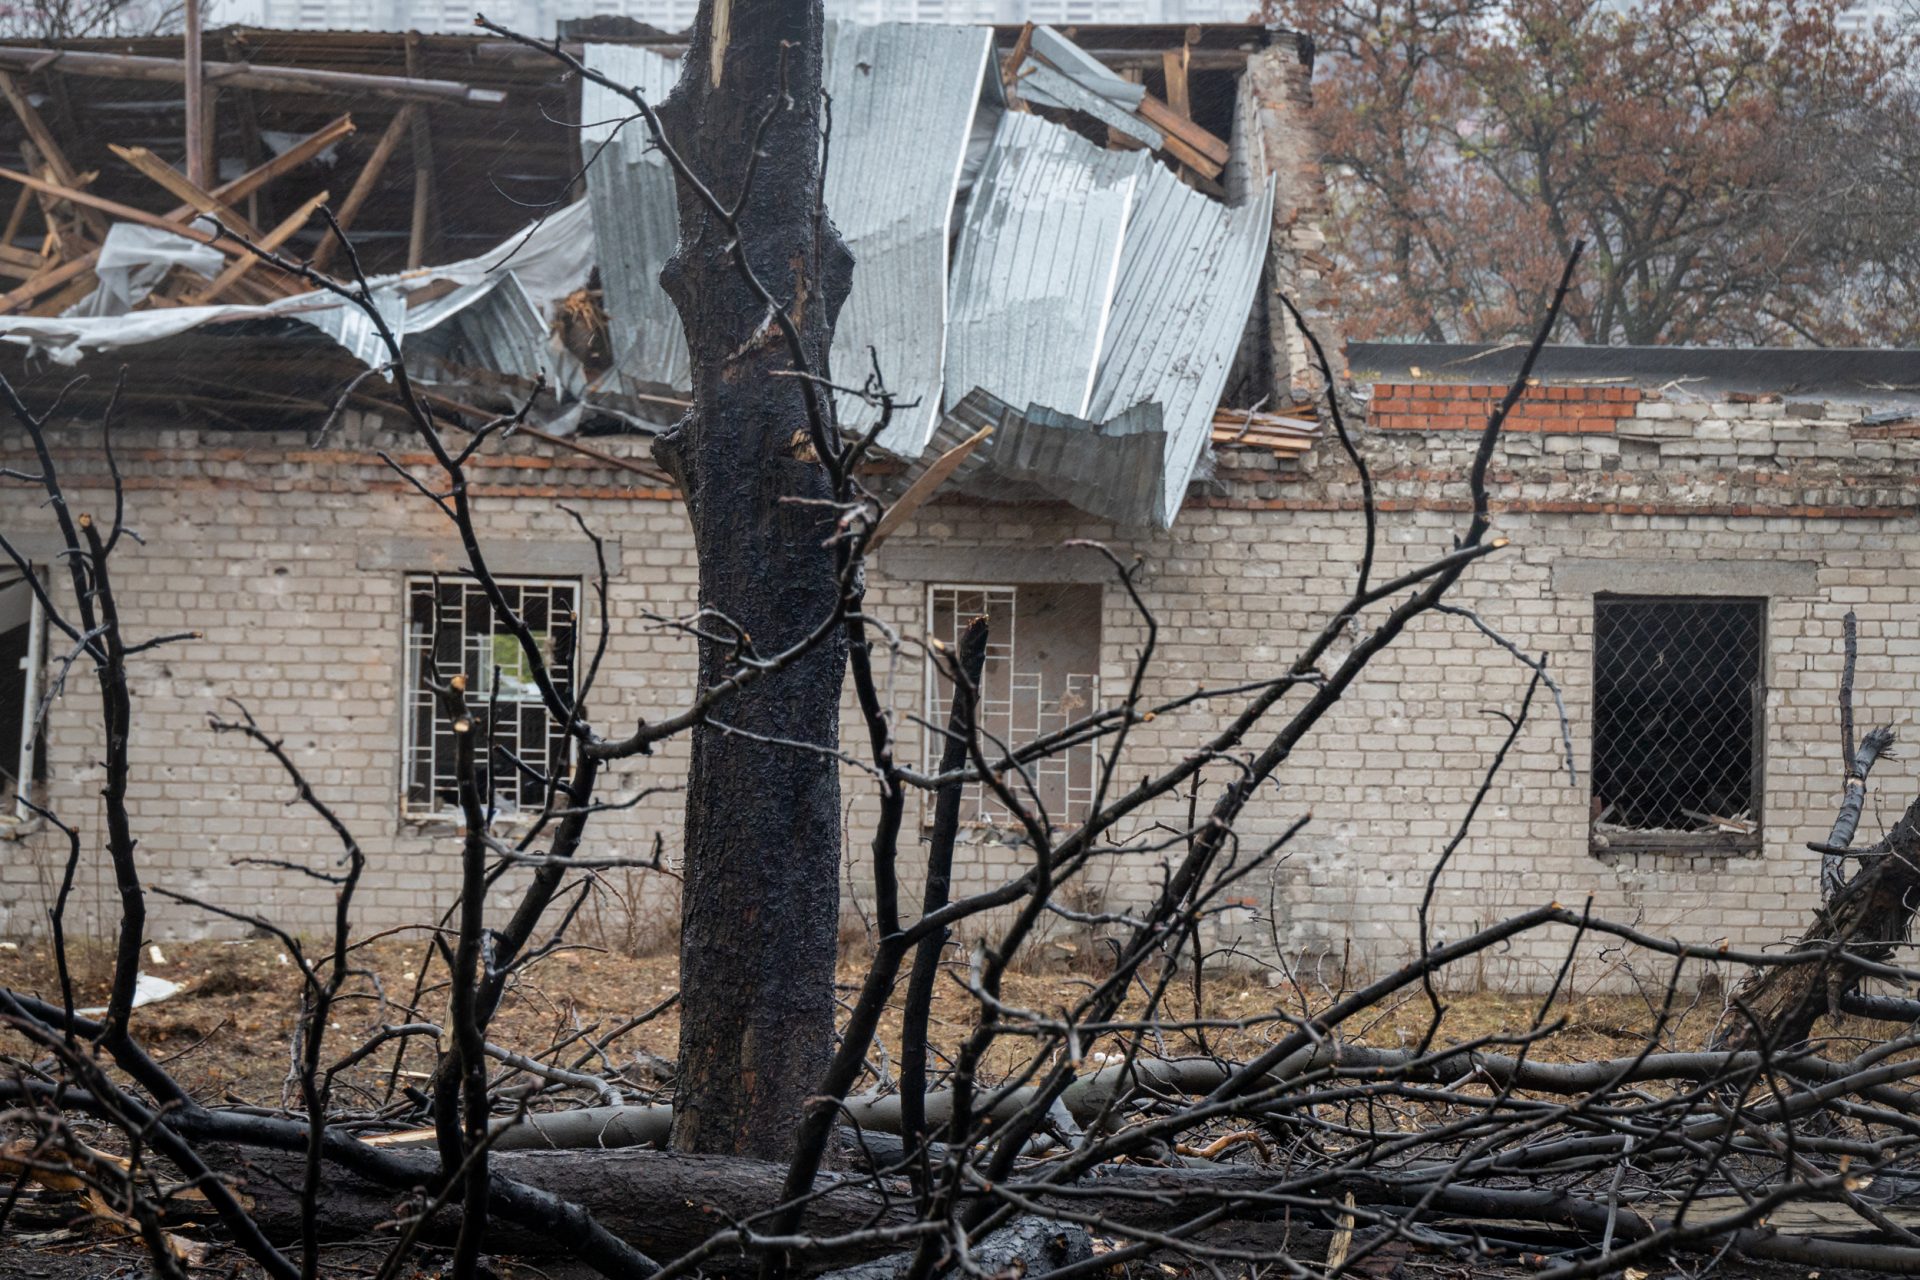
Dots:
pixel 761 895
pixel 667 1203
pixel 1869 916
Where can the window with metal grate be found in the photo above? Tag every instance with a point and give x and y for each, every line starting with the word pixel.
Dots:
pixel 1042 674
pixel 451 630
pixel 1678 723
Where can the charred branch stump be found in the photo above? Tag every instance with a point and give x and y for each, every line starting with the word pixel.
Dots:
pixel 1872 914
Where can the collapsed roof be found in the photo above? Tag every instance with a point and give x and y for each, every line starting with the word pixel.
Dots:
pixel 1087 295
pixel 1088 300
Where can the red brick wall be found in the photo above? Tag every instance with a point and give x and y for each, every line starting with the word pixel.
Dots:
pixel 1426 406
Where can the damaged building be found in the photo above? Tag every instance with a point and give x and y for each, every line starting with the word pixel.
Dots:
pixel 1075 238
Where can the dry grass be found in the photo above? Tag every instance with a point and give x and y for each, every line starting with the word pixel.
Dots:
pixel 230 1024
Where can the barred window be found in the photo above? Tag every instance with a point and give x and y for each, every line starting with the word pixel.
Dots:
pixel 1678 723
pixel 451 630
pixel 1042 674
pixel 22 635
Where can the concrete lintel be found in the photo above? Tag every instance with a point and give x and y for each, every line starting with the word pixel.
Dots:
pixel 516 557
pixel 990 565
pixel 1580 575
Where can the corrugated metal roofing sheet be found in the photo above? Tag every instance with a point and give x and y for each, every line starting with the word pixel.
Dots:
pixel 903 102
pixel 1187 280
pixel 1037 262
pixel 1110 469
pixel 492 325
pixel 636 221
pixel 1082 68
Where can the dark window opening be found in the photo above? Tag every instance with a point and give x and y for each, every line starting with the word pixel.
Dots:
pixel 451 630
pixel 1677 725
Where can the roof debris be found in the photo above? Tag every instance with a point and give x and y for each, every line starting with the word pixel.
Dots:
pixel 1041 244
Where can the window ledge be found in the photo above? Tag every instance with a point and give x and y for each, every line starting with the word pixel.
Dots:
pixel 1727 844
pixel 452 824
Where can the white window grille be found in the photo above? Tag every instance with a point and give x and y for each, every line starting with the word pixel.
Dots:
pixel 1042 674
pixel 22 654
pixel 452 630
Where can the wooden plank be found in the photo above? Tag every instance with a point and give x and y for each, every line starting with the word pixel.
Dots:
pixel 1186 155
pixel 75 291
pixel 924 488
pixel 1162 117
pixel 244 75
pixel 363 185
pixel 292 158
pixel 49 148
pixel 199 112
pixel 181 187
pixel 1010 69
pixel 271 240
pixel 51 279
pixel 65 235
pixel 126 213
pixel 20 204
pixel 421 145
pixel 1173 65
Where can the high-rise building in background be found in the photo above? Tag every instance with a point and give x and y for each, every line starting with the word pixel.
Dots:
pixel 677 15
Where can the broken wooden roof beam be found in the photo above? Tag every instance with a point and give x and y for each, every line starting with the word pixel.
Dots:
pixel 26 59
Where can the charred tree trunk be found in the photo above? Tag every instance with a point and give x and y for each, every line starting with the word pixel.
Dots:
pixel 1867 918
pixel 761 897
pixel 1862 917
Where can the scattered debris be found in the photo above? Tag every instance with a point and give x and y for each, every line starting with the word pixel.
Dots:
pixel 147 990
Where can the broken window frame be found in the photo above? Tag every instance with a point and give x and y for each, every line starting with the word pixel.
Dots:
pixel 1617 838
pixel 509 800
pixel 22 741
pixel 980 808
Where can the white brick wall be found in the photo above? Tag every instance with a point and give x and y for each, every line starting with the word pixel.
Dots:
pixel 260 542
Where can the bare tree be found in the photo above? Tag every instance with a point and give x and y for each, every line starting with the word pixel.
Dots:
pixel 86 19
pixel 1312 1146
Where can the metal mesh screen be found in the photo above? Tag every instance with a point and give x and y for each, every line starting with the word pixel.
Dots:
pixel 451 629
pixel 1677 719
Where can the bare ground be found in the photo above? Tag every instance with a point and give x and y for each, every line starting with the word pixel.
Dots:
pixel 226 1034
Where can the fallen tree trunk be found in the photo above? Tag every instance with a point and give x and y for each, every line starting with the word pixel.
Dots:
pixel 1109 1089
pixel 1864 920
pixel 668 1203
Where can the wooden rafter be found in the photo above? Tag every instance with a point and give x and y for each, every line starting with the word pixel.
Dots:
pixel 239 267
pixel 51 153
pixel 232 192
pixel 182 188
pixel 363 185
pixel 242 75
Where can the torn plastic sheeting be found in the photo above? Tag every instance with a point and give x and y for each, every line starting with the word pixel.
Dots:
pixel 147 990
pixel 549 260
pixel 134 259
pixel 69 339
pixel 552 257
